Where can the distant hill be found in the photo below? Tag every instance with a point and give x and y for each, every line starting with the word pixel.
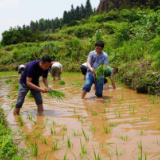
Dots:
pixel 107 5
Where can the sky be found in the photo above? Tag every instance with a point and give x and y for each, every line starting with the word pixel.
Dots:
pixel 20 12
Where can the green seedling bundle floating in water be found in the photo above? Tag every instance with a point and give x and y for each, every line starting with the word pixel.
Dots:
pixel 62 82
pixel 56 94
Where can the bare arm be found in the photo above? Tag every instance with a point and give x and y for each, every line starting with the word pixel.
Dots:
pixel 45 81
pixel 112 81
pixel 89 66
pixel 30 84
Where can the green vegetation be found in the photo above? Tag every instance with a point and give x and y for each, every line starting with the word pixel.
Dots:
pixel 62 82
pixel 58 95
pixel 8 149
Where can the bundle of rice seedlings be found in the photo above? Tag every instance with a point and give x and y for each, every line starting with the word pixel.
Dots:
pixel 62 82
pixel 58 95
pixel 100 72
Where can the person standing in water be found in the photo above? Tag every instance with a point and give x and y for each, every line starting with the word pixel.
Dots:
pixel 84 70
pixel 21 68
pixel 56 70
pixel 30 81
pixel 95 58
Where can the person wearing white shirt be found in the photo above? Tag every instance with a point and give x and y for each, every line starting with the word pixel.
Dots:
pixel 84 70
pixel 56 70
pixel 21 69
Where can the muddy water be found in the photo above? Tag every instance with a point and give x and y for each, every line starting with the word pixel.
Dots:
pixel 122 111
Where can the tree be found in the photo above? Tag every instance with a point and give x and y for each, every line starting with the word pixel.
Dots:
pixel 88 8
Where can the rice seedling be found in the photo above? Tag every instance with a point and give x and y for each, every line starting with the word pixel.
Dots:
pixel 12 106
pixel 94 113
pixel 33 148
pixel 20 120
pixel 109 101
pixel 132 111
pixel 104 119
pixel 141 131
pixel 38 135
pixel 129 106
pixel 74 111
pixel 144 118
pixel 53 122
pixel 11 96
pixel 130 122
pixel 105 104
pixel 101 145
pixel 62 82
pixel 76 134
pixel 63 136
pixel 157 127
pixel 97 157
pixel 93 128
pixel 78 117
pixel 30 95
pixel 105 111
pixel 65 156
pixel 106 130
pixel 77 84
pixel 26 136
pixel 51 129
pixel 58 95
pixel 44 140
pixel 111 124
pixel 118 115
pixel 85 136
pixel 64 128
pixel 8 81
pixel 119 152
pixel 69 143
pixel 55 146
pixel 125 138
pixel 83 149
pixel 46 157
pixel 149 109
pixel 141 148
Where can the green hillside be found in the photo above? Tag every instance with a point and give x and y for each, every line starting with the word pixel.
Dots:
pixel 131 40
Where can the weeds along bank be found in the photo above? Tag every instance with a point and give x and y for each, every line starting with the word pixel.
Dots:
pixel 131 40
pixel 8 149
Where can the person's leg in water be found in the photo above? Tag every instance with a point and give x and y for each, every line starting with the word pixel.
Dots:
pixel 99 87
pixel 105 86
pixel 39 102
pixel 22 92
pixel 88 84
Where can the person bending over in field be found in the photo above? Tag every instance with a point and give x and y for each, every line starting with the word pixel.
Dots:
pixel 110 72
pixel 30 81
pixel 21 69
pixel 56 70
pixel 84 70
pixel 95 58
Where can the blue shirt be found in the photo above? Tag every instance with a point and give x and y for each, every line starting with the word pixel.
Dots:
pixel 97 60
pixel 33 71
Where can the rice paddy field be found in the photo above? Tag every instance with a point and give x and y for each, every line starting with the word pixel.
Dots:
pixel 123 125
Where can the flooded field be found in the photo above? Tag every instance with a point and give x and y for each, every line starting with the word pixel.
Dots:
pixel 123 125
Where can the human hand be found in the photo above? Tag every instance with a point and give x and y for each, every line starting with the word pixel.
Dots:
pixel 49 87
pixel 92 70
pixel 43 90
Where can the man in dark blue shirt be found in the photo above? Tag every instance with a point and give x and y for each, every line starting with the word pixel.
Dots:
pixel 30 81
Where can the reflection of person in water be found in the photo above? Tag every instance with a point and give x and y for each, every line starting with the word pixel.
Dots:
pixel 21 69
pixel 30 81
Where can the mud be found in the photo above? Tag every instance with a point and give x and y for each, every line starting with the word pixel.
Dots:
pixel 114 111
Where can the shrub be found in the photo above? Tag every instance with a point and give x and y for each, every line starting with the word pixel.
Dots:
pixel 15 53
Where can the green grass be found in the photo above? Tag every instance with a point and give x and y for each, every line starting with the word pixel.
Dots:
pixel 8 81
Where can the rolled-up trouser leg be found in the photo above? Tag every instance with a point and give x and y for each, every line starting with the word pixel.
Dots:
pixel 22 92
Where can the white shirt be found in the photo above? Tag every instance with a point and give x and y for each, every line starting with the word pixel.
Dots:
pixel 57 64
pixel 85 64
pixel 21 66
